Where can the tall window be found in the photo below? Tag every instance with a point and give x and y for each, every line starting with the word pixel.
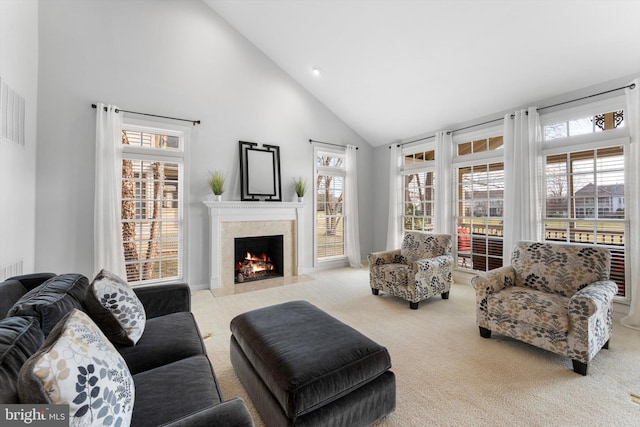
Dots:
pixel 585 185
pixel 330 227
pixel 480 200
pixel 418 190
pixel 152 203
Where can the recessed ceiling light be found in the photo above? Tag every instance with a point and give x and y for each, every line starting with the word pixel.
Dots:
pixel 316 71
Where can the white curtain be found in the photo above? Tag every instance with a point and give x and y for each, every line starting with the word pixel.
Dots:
pixel 108 252
pixel 444 186
pixel 351 207
pixel 632 204
pixel 522 175
pixel 393 226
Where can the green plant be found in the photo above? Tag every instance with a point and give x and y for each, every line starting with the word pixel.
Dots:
pixel 216 182
pixel 300 185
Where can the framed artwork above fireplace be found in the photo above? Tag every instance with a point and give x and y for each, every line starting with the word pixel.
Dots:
pixel 259 172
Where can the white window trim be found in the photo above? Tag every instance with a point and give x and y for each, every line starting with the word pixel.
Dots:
pixel 595 141
pixel 335 261
pixel 171 129
pixel 470 160
pixel 581 111
pixel 477 158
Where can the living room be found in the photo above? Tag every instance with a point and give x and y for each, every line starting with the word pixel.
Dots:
pixel 182 59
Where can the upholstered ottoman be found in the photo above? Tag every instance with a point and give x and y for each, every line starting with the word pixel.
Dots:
pixel 302 367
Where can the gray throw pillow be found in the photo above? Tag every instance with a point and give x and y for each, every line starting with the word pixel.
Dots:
pixel 52 300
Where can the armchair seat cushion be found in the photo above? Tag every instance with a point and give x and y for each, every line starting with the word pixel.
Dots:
pixel 522 306
pixel 393 274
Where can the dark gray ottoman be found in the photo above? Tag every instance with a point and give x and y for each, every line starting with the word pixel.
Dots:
pixel 302 367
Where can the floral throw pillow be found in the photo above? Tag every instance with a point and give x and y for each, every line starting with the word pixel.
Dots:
pixel 115 308
pixel 78 366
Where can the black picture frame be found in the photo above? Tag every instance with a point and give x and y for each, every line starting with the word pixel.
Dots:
pixel 259 172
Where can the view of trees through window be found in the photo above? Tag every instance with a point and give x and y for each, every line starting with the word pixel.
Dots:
pixel 418 185
pixel 329 206
pixel 151 228
pixel 419 194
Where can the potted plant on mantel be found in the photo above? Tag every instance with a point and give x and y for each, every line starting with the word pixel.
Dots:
pixel 216 182
pixel 300 185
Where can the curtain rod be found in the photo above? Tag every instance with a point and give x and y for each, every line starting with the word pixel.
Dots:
pixel 631 86
pixel 195 122
pixel 327 143
pixel 415 140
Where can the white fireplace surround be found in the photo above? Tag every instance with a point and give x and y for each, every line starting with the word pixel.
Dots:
pixel 230 219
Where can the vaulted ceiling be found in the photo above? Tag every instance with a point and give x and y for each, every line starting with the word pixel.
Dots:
pixel 393 69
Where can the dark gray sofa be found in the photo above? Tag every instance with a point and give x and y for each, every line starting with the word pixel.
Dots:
pixel 174 380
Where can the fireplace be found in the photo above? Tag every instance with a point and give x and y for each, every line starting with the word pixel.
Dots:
pixel 229 220
pixel 258 258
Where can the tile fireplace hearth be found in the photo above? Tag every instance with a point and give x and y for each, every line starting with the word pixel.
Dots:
pixel 231 220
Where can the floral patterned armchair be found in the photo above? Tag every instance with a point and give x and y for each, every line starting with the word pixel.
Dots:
pixel 554 296
pixel 422 268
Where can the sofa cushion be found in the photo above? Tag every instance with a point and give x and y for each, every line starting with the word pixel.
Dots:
pixel 306 357
pixel 165 340
pixel 173 391
pixel 115 308
pixel 20 337
pixel 52 300
pixel 78 366
pixel 521 305
pixel 11 290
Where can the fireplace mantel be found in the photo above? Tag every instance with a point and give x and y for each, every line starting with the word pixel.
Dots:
pixel 237 211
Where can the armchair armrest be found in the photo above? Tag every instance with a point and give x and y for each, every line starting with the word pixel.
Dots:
pixel 592 299
pixel 383 257
pixel 159 300
pixel 494 280
pixel 232 413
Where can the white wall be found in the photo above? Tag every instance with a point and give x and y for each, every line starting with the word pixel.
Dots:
pixel 175 58
pixel 18 68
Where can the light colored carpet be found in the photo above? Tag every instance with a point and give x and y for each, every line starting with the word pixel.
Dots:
pixel 446 374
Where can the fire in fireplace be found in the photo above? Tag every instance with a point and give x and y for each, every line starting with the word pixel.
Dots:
pixel 258 258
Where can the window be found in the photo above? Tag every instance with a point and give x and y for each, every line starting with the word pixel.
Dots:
pixel 330 229
pixel 480 200
pixel 585 188
pixel 418 190
pixel 152 203
pixel 584 125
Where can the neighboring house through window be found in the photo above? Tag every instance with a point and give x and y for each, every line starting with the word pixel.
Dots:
pixel 584 156
pixel 479 166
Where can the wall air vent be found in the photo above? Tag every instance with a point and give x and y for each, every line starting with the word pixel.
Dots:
pixel 12 111
pixel 11 269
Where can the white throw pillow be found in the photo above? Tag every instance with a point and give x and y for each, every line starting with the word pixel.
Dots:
pixel 78 366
